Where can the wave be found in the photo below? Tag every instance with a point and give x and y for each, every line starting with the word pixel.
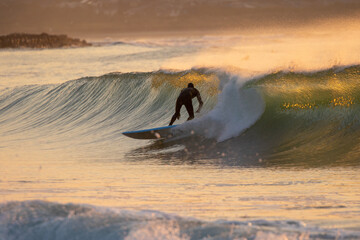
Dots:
pixel 49 220
pixel 283 117
pixel 110 103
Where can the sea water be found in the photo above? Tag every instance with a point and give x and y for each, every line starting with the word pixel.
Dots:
pixel 274 154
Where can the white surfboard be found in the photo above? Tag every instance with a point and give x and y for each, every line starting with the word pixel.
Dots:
pixel 153 133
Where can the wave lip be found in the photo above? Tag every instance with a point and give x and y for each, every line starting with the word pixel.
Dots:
pixel 48 220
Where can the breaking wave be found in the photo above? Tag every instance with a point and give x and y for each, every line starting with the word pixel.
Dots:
pixel 282 117
pixel 48 220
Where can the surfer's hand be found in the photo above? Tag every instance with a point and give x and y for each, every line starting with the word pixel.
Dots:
pixel 198 111
pixel 178 117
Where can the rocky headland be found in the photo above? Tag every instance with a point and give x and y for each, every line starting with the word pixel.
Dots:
pixel 44 40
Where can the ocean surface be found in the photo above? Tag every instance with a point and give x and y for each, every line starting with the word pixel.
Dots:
pixel 274 154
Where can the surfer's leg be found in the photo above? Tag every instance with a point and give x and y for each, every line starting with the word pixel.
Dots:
pixel 173 119
pixel 177 112
pixel 190 109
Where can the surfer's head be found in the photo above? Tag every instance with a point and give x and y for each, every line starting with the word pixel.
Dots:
pixel 190 85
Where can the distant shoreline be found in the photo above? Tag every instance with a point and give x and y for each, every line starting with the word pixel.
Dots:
pixel 43 40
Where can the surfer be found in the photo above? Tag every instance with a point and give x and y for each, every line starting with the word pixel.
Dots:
pixel 185 98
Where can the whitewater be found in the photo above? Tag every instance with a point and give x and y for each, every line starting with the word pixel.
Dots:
pixel 274 154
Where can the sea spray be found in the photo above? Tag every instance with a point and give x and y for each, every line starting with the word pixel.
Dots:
pixel 236 110
pixel 42 220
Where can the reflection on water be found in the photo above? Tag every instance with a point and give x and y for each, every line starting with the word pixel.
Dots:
pixel 170 182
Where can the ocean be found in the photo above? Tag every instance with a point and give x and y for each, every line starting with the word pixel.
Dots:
pixel 274 153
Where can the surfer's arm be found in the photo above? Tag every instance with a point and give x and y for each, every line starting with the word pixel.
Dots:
pixel 200 102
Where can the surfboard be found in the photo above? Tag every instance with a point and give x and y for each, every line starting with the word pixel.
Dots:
pixel 153 133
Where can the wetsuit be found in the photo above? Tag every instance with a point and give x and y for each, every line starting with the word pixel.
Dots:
pixel 185 98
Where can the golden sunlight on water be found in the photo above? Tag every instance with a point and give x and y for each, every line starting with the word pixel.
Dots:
pixel 209 81
pixel 327 197
pixel 336 102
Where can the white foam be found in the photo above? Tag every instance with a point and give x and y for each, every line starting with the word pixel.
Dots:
pixel 46 220
pixel 237 109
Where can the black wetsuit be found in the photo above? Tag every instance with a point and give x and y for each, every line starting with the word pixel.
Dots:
pixel 185 98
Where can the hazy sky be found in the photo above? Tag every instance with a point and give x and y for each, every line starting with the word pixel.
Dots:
pixel 107 17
